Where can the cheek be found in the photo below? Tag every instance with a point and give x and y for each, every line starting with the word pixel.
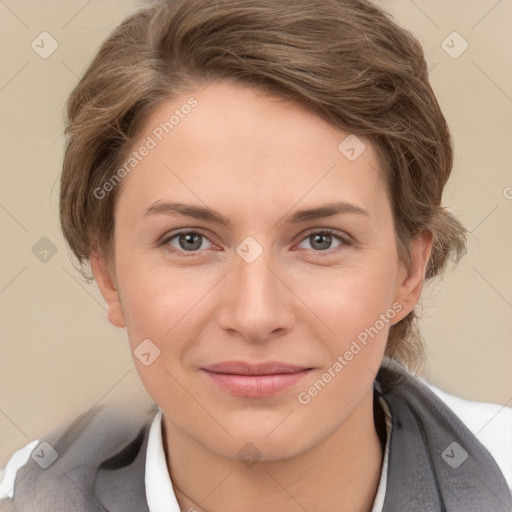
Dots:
pixel 157 298
pixel 350 300
pixel 157 323
pixel 163 313
pixel 358 310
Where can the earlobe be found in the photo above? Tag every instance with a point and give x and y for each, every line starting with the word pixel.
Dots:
pixel 106 284
pixel 112 318
pixel 410 283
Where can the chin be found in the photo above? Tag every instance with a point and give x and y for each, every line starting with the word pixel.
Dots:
pixel 257 440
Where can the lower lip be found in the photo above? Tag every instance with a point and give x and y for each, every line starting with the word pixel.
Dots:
pixel 256 386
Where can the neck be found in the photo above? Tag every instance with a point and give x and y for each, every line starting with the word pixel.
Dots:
pixel 340 473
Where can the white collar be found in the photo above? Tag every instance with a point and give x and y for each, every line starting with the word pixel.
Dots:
pixel 378 503
pixel 160 493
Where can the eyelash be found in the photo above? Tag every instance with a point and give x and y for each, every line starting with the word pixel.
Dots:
pixel 187 254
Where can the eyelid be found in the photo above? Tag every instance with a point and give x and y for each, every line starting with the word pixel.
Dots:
pixel 170 235
pixel 345 239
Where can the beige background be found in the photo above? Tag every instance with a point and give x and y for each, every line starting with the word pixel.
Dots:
pixel 58 353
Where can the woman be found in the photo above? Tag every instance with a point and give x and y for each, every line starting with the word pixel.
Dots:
pixel 299 150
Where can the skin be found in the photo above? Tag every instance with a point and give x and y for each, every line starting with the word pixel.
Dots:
pixel 256 160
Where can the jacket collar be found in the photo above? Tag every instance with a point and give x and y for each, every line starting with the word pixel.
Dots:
pixel 435 462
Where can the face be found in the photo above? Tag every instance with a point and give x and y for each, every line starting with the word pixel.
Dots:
pixel 270 325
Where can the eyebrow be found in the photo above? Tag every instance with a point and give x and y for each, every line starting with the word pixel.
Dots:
pixel 208 215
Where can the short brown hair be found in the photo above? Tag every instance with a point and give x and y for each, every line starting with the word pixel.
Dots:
pixel 344 60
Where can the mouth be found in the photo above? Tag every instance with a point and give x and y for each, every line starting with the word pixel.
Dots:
pixel 255 380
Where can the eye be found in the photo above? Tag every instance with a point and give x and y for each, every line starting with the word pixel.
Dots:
pixel 321 241
pixel 192 242
pixel 185 241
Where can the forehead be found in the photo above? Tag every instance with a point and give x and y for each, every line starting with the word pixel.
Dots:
pixel 229 142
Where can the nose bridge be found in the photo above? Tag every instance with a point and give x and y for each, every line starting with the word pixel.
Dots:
pixel 255 279
pixel 254 303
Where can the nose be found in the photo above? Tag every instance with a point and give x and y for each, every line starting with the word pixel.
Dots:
pixel 256 304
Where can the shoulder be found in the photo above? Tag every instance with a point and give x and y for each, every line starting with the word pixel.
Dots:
pixel 484 428
pixel 490 423
pixel 104 436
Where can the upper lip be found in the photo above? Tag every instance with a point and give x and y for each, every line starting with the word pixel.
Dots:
pixel 242 368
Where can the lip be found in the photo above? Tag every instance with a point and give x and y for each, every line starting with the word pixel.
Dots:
pixel 255 380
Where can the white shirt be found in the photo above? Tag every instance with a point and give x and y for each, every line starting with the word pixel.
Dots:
pixel 490 423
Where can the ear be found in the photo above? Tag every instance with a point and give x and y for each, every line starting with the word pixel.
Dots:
pixel 106 284
pixel 410 281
